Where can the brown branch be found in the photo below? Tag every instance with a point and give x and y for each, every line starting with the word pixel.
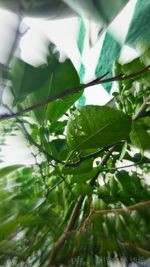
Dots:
pixel 72 91
pixel 75 213
pixel 126 209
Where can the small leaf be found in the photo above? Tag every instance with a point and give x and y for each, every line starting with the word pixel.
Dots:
pixel 96 127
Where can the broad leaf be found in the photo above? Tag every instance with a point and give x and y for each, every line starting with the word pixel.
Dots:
pixel 96 127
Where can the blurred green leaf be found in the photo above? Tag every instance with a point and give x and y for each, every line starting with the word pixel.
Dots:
pixel 9 169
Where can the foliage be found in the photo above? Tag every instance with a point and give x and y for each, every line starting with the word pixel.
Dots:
pixel 76 206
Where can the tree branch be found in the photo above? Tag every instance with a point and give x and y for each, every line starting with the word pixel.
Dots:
pixel 72 91
pixel 126 209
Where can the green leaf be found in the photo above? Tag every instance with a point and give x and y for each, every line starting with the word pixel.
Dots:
pixel 63 77
pixel 134 66
pixel 82 189
pixel 84 167
pixel 125 182
pixel 96 127
pixel 9 169
pixel 123 151
pixel 140 135
pixel 26 79
pixel 99 204
pixel 58 148
pixel 113 186
pixel 57 126
pixel 33 84
pixel 84 177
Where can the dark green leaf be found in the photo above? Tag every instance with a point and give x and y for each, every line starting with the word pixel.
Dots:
pixel 96 127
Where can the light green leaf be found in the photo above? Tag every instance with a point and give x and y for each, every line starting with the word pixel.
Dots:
pixel 140 134
pixel 96 127
pixel 9 169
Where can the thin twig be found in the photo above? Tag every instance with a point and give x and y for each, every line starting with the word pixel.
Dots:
pixel 72 91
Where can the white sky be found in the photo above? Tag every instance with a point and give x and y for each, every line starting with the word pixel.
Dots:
pixel 63 33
